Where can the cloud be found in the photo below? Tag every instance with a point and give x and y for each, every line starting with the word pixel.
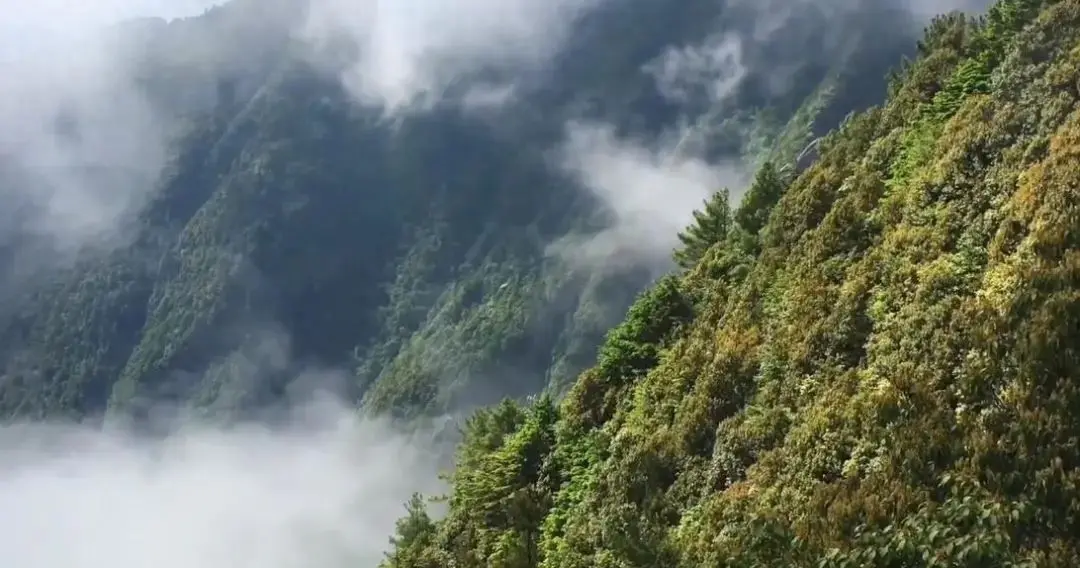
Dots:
pixel 648 190
pixel 410 51
pixel 481 97
pixel 79 142
pixel 710 70
pixel 775 38
pixel 321 489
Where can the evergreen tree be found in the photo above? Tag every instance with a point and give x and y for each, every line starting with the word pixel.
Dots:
pixel 769 184
pixel 415 533
pixel 709 227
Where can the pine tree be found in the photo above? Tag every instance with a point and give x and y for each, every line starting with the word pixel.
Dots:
pixel 415 534
pixel 709 227
pixel 769 184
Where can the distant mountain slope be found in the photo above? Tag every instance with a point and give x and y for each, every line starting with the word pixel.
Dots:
pixel 294 229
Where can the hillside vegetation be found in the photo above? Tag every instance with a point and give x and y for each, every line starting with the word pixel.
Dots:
pixel 872 363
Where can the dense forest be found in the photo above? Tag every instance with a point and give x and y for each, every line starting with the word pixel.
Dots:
pixel 876 369
pixel 856 351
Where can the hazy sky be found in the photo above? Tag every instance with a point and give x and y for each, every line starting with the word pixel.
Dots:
pixel 30 24
pixel 53 13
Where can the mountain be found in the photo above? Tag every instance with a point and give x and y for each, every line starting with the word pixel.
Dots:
pixel 296 237
pixel 883 373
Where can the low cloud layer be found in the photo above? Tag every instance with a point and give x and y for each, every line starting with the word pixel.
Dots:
pixel 323 489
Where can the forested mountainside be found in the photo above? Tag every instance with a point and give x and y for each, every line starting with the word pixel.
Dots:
pixel 878 370
pixel 295 228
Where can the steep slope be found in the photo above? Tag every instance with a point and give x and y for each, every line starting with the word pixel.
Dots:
pixel 294 229
pixel 884 375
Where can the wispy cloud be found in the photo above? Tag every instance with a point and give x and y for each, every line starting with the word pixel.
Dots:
pixel 84 140
pixel 409 51
pixel 708 71
pixel 648 190
pixel 322 489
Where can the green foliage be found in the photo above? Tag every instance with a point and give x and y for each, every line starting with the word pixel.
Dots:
pixel 414 537
pixel 633 346
pixel 757 203
pixel 738 231
pixel 883 375
pixel 503 482
pixel 710 226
